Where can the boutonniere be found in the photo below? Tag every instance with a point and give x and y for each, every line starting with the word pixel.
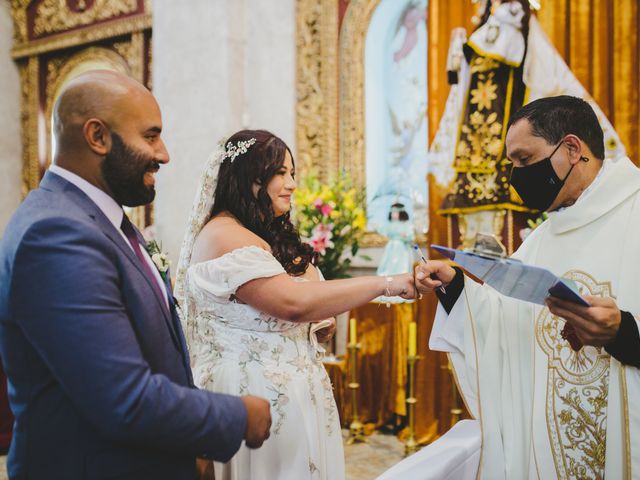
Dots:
pixel 159 258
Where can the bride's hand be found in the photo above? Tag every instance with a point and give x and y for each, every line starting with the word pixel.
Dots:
pixel 401 285
pixel 325 334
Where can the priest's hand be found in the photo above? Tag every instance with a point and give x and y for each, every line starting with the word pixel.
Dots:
pixel 433 274
pixel 596 325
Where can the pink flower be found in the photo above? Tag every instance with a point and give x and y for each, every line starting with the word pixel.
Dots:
pixel 318 203
pixel 326 209
pixel 323 229
pixel 320 244
pixel 321 238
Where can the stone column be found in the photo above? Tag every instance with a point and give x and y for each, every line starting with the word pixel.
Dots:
pixel 10 140
pixel 218 66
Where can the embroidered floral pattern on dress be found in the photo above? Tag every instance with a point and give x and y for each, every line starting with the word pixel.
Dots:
pixel 239 350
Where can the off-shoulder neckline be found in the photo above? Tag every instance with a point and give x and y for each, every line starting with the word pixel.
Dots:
pixel 233 252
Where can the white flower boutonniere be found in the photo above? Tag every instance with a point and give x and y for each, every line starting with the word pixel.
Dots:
pixel 159 258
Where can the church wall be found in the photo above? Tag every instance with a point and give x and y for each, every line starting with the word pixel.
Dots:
pixel 217 67
pixel 10 143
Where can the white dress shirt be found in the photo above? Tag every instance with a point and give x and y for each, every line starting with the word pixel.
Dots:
pixel 113 212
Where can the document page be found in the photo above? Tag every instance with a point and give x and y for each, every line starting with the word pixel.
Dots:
pixel 513 278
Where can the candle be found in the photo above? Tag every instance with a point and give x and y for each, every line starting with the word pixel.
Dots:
pixel 352 331
pixel 412 339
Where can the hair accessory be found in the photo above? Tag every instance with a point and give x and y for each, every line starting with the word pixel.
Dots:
pixel 232 151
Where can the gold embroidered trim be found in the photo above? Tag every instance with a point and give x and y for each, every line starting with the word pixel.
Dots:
pixel 507 113
pixel 475 351
pixel 625 421
pixel 577 393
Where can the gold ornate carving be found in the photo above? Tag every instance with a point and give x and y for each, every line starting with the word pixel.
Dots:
pixel 352 42
pixel 29 122
pixel 577 391
pixel 87 35
pixel 54 15
pixel 136 58
pixel 123 49
pixel 53 72
pixel 19 15
pixel 149 63
pixel 316 123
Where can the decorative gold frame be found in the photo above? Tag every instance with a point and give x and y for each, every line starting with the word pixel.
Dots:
pixel 352 103
pixel 322 52
pixel 127 54
pixel 24 48
pixel 317 86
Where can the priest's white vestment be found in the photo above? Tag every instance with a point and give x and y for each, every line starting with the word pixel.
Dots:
pixel 545 410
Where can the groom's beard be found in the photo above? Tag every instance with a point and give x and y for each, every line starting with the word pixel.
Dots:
pixel 124 169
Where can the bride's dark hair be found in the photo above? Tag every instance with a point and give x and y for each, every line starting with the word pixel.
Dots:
pixel 234 194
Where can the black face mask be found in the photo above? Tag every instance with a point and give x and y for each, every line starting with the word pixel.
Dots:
pixel 538 185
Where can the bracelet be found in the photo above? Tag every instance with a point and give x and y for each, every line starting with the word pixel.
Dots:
pixel 387 290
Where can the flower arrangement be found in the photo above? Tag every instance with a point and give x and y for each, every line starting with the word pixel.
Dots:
pixel 331 219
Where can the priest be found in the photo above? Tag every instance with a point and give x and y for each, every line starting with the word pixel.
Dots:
pixel 555 387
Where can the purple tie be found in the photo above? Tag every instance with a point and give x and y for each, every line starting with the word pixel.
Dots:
pixel 127 229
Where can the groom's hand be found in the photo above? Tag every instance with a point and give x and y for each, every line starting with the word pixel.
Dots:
pixel 258 420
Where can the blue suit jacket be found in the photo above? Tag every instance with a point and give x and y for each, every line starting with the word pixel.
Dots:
pixel 99 379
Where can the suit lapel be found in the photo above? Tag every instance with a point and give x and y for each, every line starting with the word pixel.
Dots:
pixel 173 303
pixel 56 183
pixel 110 231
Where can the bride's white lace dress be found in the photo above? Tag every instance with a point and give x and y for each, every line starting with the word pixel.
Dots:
pixel 239 350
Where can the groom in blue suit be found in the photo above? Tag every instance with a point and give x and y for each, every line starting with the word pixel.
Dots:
pixel 98 369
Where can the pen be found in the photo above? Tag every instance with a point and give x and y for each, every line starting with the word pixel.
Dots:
pixel 422 257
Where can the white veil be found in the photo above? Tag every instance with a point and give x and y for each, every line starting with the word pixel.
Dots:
pixel 199 216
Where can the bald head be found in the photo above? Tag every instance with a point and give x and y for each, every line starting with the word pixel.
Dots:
pixel 95 94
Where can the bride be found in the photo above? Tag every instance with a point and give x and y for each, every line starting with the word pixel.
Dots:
pixel 250 296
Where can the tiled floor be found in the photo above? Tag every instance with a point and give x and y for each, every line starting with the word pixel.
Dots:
pixel 365 461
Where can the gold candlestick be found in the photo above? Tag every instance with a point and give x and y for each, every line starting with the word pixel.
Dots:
pixel 356 428
pixel 411 444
